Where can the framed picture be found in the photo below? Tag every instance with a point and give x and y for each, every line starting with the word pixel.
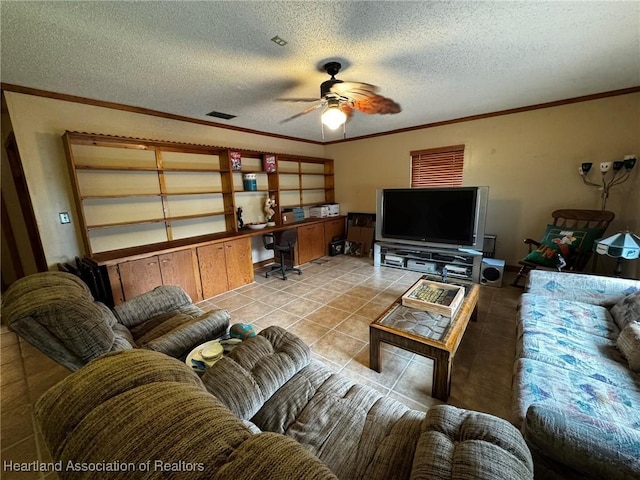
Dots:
pixel 236 161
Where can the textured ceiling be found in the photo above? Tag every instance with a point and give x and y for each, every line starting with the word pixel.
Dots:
pixel 438 60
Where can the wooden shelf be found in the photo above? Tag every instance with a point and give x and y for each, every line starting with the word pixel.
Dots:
pixel 193 172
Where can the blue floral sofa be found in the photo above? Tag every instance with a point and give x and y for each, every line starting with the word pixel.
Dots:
pixel 576 392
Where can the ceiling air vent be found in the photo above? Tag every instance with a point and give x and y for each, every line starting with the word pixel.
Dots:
pixel 225 116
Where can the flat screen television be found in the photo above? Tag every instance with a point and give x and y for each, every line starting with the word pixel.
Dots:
pixel 452 217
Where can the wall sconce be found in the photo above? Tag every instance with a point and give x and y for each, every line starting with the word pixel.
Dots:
pixel 609 180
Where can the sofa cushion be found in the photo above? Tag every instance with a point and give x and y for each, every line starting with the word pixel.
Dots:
pixel 593 447
pixel 160 300
pixel 547 385
pixel 629 344
pixel 627 310
pixel 181 332
pixel 593 356
pixel 255 369
pixel 566 316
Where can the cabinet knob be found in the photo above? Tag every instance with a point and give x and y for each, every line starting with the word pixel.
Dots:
pixel 151 263
pixel 165 260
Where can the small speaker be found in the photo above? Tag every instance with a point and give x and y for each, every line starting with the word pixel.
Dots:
pixel 492 272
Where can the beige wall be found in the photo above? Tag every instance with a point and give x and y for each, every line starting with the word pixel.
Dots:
pixel 529 160
pixel 39 124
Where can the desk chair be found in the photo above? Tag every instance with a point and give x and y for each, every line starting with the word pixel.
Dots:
pixel 282 244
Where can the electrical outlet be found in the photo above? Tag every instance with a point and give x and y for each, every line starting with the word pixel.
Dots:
pixel 64 217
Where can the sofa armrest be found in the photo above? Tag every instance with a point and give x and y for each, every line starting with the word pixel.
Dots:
pixel 458 443
pixel 594 448
pixel 531 243
pixel 594 289
pixel 158 301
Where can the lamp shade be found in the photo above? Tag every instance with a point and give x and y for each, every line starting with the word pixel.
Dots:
pixel 621 245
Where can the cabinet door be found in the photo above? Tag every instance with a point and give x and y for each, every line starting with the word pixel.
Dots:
pixel 213 269
pixel 139 276
pixel 239 262
pixel 310 242
pixel 333 228
pixel 177 269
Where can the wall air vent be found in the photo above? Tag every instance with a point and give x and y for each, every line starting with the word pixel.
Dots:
pixel 225 116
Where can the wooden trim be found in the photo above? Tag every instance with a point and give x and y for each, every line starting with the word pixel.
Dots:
pixel 24 197
pixel 146 111
pixel 12 245
pixel 143 111
pixel 538 106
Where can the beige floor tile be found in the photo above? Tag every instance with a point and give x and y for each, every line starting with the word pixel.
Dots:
pixel 14 395
pixel 391 367
pixel 279 299
pixel 258 292
pixel 301 307
pixel 413 404
pixel 322 295
pixel 360 291
pixel 11 372
pixel 234 302
pixel 338 286
pixel 279 318
pixel 338 347
pixel 8 338
pixel 348 303
pixel 308 331
pixel 298 288
pixel 415 382
pixel 10 354
pixel 355 326
pixel 327 316
pixel 15 424
pixel 250 312
pixel 372 310
pixel 22 452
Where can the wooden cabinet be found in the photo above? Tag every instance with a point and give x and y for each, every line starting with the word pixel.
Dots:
pixel 333 228
pixel 225 266
pixel 139 276
pixel 310 242
pixel 177 268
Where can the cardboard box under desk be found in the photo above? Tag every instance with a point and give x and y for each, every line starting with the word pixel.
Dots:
pixel 362 235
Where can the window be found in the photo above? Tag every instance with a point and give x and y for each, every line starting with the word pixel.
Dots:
pixel 437 167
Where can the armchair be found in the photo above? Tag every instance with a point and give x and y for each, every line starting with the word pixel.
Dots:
pixel 567 243
pixel 56 313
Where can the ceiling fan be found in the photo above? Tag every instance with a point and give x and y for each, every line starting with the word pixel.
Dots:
pixel 341 98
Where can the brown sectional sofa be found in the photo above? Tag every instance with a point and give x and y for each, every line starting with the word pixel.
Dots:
pixel 268 411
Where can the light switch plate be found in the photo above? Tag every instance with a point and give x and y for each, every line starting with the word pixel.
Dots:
pixel 64 217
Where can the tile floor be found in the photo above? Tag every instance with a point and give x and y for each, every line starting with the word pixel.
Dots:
pixel 330 307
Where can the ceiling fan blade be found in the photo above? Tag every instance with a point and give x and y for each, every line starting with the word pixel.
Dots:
pixel 354 90
pixel 376 104
pixel 314 99
pixel 304 112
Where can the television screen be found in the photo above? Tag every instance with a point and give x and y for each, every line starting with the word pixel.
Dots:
pixel 436 215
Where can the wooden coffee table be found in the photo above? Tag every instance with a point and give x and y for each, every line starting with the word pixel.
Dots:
pixel 425 333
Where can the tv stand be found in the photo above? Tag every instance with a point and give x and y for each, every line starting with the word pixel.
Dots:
pixel 428 260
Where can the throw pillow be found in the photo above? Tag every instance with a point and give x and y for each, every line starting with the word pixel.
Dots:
pixel 627 310
pixel 629 344
pixel 567 242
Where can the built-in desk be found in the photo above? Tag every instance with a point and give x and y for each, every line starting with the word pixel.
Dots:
pixel 208 265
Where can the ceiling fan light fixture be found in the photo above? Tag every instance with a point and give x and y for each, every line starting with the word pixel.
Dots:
pixel 332 117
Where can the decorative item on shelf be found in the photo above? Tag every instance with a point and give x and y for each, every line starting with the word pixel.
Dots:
pixel 269 212
pixel 269 163
pixel 609 181
pixel 240 220
pixel 622 245
pixel 250 182
pixel 236 161
pixel 256 225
